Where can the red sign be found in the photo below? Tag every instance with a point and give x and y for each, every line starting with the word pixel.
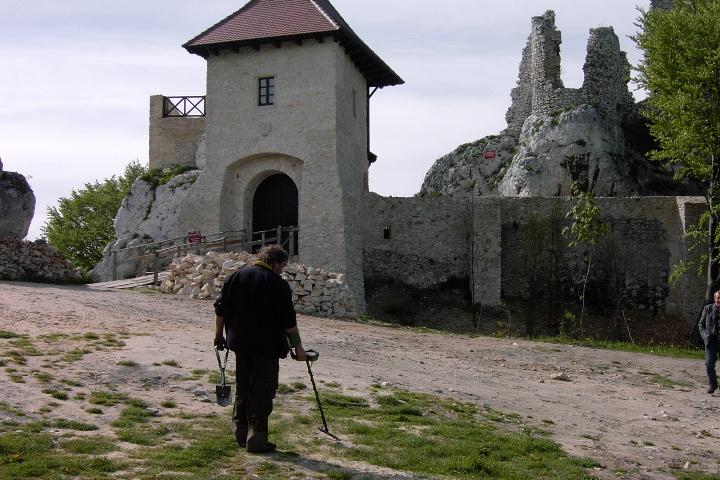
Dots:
pixel 489 154
pixel 194 237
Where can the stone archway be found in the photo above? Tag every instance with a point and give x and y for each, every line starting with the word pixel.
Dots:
pixel 275 203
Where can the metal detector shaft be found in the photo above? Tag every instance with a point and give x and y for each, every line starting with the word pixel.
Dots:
pixel 317 397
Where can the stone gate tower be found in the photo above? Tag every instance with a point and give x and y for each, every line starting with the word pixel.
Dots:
pixel 286 128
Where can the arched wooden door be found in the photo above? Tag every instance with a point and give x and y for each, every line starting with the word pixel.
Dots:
pixel 276 203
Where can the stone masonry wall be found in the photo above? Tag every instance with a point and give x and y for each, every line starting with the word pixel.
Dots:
pixel 314 291
pixel 173 140
pixel 497 239
pixel 34 261
pixel 428 242
pixel 540 90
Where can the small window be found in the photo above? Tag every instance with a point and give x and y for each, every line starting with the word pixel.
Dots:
pixel 387 232
pixel 266 91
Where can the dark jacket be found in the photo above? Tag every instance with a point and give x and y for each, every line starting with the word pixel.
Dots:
pixel 708 322
pixel 256 304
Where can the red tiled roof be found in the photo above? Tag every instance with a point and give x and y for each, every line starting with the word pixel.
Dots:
pixel 261 21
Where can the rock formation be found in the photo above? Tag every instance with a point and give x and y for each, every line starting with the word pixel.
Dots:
pixel 556 136
pixel 17 204
pixel 149 213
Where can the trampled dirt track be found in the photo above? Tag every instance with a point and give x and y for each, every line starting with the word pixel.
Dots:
pixel 639 415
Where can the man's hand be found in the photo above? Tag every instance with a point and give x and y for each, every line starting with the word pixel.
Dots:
pixel 220 342
pixel 300 354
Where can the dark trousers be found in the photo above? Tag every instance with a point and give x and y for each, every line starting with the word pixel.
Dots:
pixel 711 356
pixel 257 382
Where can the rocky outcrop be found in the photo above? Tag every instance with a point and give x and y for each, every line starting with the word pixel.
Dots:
pixel 17 204
pixel 314 291
pixel 34 261
pixel 557 136
pixel 149 213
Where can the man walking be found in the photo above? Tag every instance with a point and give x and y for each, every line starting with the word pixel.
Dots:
pixel 709 326
pixel 256 312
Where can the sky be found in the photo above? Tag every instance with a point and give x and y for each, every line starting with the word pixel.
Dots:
pixel 76 77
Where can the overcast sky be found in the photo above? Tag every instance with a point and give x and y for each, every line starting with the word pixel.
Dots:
pixel 76 76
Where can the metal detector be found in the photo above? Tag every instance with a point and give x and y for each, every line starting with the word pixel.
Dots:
pixel 312 356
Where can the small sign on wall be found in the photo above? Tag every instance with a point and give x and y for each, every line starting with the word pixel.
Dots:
pixel 488 154
pixel 194 237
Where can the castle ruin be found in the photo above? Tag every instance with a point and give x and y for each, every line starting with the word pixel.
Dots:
pixel 540 90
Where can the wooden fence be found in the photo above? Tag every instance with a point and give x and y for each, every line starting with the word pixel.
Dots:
pixel 159 252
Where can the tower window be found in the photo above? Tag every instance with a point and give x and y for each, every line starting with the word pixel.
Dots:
pixel 266 91
pixel 387 232
pixel 354 103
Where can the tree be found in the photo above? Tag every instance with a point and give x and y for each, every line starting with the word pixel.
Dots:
pixel 82 225
pixel 681 72
pixel 586 230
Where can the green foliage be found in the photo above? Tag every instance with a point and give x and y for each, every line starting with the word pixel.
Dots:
pixel 81 225
pixel 681 72
pixel 158 176
pixel 586 228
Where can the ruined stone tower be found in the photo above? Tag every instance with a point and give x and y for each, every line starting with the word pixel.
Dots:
pixel 540 89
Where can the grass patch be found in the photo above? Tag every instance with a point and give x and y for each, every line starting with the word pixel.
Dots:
pixel 72 383
pixel 685 475
pixel 8 334
pixel 107 399
pixel 71 425
pixel 75 355
pixel 88 445
pixel 171 363
pixel 9 409
pixel 669 382
pixel 32 454
pixel 430 435
pixel 56 394
pixel 94 410
pixel 42 377
pixel 128 363
pixel 674 351
pixel 16 378
pixel 168 404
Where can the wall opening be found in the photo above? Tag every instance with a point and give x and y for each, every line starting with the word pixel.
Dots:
pixel 275 203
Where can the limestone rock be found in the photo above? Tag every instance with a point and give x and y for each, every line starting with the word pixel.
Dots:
pixel 149 213
pixel 17 204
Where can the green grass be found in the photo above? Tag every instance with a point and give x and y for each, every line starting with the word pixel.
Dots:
pixel 75 355
pixel 8 334
pixel 168 403
pixel 107 399
pixel 55 393
pixel 674 351
pixel 128 363
pixel 42 377
pixel 431 435
pixel 88 445
pixel 171 363
pixel 669 382
pixel 94 410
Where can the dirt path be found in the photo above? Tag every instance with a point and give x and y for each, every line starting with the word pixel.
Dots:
pixel 638 415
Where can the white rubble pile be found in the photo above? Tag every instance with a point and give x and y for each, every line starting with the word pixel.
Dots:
pixel 314 291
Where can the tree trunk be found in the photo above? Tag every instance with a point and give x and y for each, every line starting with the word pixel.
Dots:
pixel 712 266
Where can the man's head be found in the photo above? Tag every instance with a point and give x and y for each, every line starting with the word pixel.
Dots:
pixel 274 256
pixel 717 299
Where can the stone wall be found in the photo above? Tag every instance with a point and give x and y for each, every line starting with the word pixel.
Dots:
pixel 540 90
pixel 314 291
pixel 428 240
pixel 34 261
pixel 505 244
pixel 173 140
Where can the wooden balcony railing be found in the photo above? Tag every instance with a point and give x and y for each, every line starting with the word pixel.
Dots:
pixel 183 106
